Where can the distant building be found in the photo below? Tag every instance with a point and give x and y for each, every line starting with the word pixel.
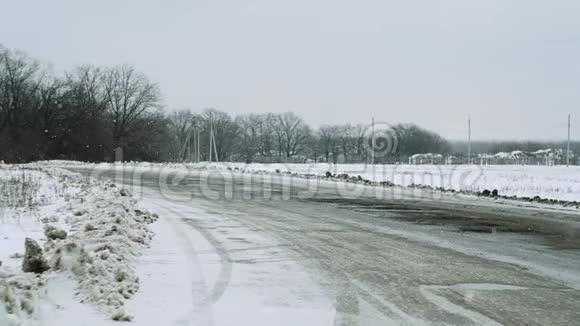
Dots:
pixel 427 158
pixel 547 156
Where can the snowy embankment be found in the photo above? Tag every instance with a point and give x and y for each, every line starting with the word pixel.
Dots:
pixel 551 182
pixel 557 183
pixel 88 231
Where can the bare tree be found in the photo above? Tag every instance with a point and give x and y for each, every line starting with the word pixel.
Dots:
pixel 181 129
pixel 20 80
pixel 85 106
pixel 328 137
pixel 249 136
pixel 128 95
pixel 346 137
pixel 51 96
pixel 146 142
pixel 225 133
pixel 360 137
pixel 80 116
pixel 292 133
pixel 267 123
pixel 86 91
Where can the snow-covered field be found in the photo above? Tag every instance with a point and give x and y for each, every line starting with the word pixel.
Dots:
pixel 91 234
pixel 551 182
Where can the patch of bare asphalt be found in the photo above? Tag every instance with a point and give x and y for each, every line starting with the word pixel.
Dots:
pixel 463 218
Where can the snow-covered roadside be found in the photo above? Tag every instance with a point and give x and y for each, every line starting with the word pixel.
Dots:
pixel 92 232
pixel 535 184
pixel 542 182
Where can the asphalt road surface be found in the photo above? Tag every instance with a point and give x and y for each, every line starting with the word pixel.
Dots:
pixel 385 256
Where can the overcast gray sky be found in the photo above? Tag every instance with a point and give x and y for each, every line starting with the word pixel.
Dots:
pixel 514 65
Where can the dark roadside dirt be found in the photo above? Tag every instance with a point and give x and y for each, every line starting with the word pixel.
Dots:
pixel 558 229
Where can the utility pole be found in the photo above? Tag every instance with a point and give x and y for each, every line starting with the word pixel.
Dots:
pixel 210 136
pixel 195 130
pixel 373 141
pixel 188 146
pixel 469 139
pixel 212 144
pixel 198 143
pixel 215 148
pixel 568 147
pixel 184 152
pixel 194 157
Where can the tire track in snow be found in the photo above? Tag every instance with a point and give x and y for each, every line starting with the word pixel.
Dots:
pixel 201 313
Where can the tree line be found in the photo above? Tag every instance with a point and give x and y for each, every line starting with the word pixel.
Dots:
pixel 87 112
pixel 287 138
pixel 80 115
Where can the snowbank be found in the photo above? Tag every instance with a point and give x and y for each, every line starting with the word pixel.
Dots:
pixel 97 233
pixel 108 233
pixel 18 297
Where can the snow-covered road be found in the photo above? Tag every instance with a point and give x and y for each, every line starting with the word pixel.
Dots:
pixel 263 253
